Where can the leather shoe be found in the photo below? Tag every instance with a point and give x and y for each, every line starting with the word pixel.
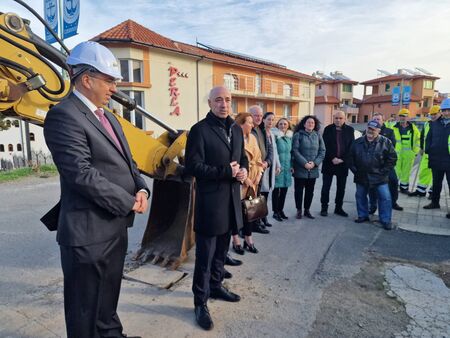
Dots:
pixel 362 219
pixel 340 212
pixel 224 294
pixel 260 229
pixel 397 207
pixel 283 216
pixel 277 217
pixel 372 210
pixel 324 212
pixel 432 206
pixel 238 249
pixel 266 223
pixel 299 214
pixel 250 247
pixel 203 317
pixel 227 274
pixel 308 214
pixel 232 262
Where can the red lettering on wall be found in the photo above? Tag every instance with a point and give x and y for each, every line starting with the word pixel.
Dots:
pixel 174 92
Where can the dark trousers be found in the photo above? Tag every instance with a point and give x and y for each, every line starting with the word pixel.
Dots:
pixel 306 184
pixel 341 181
pixel 92 280
pixel 278 199
pixel 438 177
pixel 393 189
pixel 210 254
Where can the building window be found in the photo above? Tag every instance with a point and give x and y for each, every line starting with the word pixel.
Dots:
pixel 2 148
pixel 10 147
pixel 353 119
pixel 428 84
pixel 425 102
pixel 287 110
pixel 347 87
pixel 387 87
pixel 131 70
pixel 346 102
pixel 320 86
pixel 32 138
pixel 287 90
pixel 19 147
pixel 366 118
pixel 335 106
pixel 258 83
pixel 231 81
pixel 132 115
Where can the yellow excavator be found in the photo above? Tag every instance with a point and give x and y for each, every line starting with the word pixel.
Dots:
pixel 30 84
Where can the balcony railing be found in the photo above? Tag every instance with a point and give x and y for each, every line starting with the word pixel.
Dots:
pixel 350 110
pixel 267 88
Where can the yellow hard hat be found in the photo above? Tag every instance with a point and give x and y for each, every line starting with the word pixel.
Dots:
pixel 403 112
pixel 434 110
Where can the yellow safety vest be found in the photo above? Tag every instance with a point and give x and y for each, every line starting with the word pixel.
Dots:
pixel 408 141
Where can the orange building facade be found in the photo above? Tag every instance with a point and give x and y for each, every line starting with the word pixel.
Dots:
pixel 378 95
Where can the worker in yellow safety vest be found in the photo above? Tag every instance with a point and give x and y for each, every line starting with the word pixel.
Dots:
pixel 407 146
pixel 425 177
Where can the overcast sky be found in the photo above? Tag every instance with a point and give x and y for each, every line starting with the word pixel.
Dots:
pixel 355 37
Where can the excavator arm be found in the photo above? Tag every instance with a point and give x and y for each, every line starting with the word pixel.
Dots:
pixel 30 84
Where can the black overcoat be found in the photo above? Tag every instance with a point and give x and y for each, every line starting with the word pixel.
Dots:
pixel 208 157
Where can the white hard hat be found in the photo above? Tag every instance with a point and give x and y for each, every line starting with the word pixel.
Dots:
pixel 97 56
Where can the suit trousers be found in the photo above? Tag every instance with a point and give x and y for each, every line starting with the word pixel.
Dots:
pixel 92 280
pixel 341 181
pixel 210 254
pixel 438 177
pixel 301 184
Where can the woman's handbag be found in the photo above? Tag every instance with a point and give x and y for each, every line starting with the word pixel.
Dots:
pixel 254 207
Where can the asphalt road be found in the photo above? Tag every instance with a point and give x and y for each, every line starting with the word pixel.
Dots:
pixel 281 286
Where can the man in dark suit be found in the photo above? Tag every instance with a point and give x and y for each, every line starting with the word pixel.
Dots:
pixel 215 157
pixel 101 190
pixel 338 138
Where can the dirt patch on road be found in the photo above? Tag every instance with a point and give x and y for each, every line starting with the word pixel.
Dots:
pixel 359 307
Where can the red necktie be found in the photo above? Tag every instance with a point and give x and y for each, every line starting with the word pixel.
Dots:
pixel 104 121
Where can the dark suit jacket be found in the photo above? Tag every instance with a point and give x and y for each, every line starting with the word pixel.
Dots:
pixel 329 138
pixel 98 182
pixel 208 158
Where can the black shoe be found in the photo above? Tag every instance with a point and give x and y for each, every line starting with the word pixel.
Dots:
pixel 283 216
pixel 324 211
pixel 250 247
pixel 397 207
pixel 372 210
pixel 404 191
pixel 448 215
pixel 203 317
pixel 299 214
pixel 266 223
pixel 232 262
pixel 224 294
pixel 417 193
pixel 277 217
pixel 238 249
pixel 308 214
pixel 362 219
pixel 227 274
pixel 260 229
pixel 432 205
pixel 340 212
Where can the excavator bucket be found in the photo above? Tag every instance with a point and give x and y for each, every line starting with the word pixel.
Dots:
pixel 169 234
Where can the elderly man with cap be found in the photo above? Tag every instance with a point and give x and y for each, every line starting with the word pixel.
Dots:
pixel 101 190
pixel 407 146
pixel 425 176
pixel 372 157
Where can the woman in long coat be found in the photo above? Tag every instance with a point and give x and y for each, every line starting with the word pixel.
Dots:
pixel 308 152
pixel 255 169
pixel 268 179
pixel 283 137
